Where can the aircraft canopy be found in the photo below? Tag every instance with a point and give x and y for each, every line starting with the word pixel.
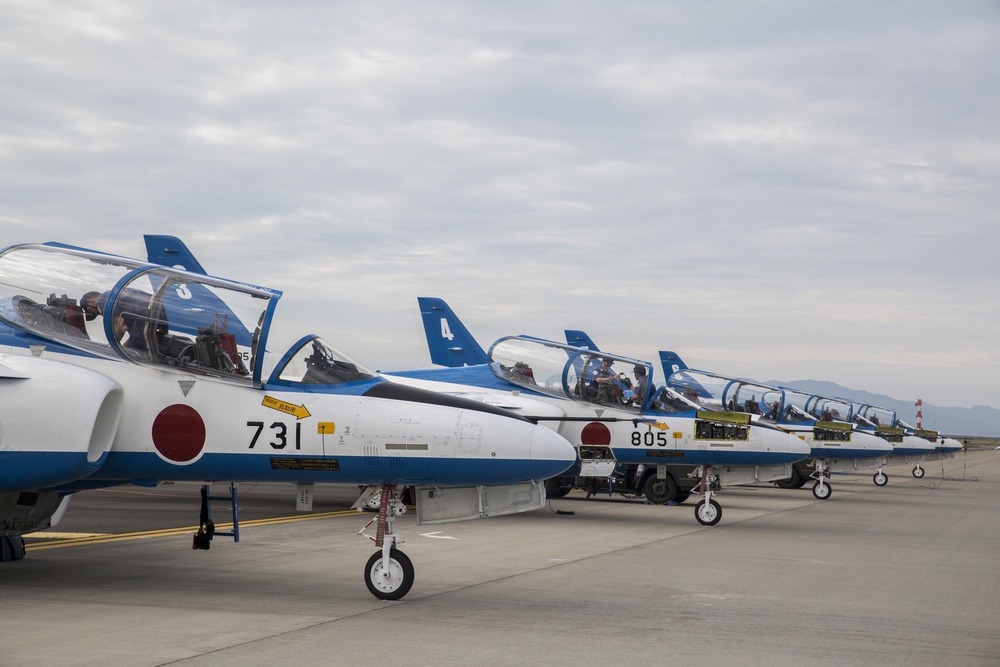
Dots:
pixel 719 392
pixel 871 415
pixel 148 314
pixel 574 373
pixel 820 408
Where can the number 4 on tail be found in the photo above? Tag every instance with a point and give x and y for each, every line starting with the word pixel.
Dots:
pixel 445 330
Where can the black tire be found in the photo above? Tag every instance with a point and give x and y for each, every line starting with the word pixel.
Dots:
pixel 399 583
pixel 918 472
pixel 880 479
pixel 682 496
pixel 826 492
pixel 12 548
pixel 554 488
pixel 659 491
pixel 708 514
pixel 793 482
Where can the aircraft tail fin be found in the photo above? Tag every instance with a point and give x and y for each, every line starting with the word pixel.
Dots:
pixel 671 363
pixel 449 342
pixel 171 251
pixel 578 338
pixel 199 302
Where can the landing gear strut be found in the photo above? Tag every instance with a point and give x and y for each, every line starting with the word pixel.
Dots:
pixel 389 572
pixel 708 512
pixel 821 489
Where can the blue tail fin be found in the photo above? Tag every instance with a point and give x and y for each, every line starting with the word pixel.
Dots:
pixel 171 251
pixel 577 338
pixel 671 363
pixel 448 341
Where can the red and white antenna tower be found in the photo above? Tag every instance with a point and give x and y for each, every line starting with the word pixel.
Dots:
pixel 920 413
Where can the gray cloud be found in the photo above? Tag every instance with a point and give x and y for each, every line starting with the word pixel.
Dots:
pixel 783 191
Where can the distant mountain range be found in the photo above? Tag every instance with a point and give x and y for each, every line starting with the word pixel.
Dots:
pixel 980 420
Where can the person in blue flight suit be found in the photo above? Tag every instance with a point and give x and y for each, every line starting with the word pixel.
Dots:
pixel 602 379
pixel 131 312
pixel 639 388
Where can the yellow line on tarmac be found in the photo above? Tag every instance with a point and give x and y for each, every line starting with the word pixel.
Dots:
pixel 167 532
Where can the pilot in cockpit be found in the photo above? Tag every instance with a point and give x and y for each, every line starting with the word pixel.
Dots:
pixel 130 315
pixel 602 381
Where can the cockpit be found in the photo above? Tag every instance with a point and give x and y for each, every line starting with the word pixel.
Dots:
pixel 153 315
pixel 722 393
pixel 795 414
pixel 667 400
pixel 312 361
pixel 829 409
pixel 871 415
pixel 574 373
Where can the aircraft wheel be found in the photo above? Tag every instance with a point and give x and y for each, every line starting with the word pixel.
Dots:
pixel 708 514
pixel 918 472
pixel 12 548
pixel 880 479
pixel 793 482
pixel 822 491
pixel 659 491
pixel 399 579
pixel 554 488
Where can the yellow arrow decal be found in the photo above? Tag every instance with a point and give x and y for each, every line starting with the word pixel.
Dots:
pixel 298 411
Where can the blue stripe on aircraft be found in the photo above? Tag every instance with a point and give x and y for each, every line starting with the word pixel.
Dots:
pixel 277 466
pixel 30 470
pixel 900 450
pixel 664 456
pixel 844 453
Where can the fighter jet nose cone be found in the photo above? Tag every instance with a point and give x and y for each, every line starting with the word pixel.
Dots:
pixel 551 453
pixel 797 445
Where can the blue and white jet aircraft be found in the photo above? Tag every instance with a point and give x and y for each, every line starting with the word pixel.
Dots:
pixel 824 424
pixel 114 371
pixel 909 445
pixel 601 413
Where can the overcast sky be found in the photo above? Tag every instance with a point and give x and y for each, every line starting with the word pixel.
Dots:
pixel 780 190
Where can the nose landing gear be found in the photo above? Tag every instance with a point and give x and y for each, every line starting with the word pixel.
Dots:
pixel 821 489
pixel 708 512
pixel 389 572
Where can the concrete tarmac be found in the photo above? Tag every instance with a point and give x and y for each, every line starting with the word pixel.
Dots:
pixel 908 574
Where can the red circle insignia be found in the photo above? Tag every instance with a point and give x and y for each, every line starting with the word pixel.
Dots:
pixel 595 433
pixel 179 433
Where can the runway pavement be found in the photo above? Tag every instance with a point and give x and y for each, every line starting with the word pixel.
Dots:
pixel 908 574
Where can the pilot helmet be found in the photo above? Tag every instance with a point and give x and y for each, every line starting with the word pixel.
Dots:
pixel 83 304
